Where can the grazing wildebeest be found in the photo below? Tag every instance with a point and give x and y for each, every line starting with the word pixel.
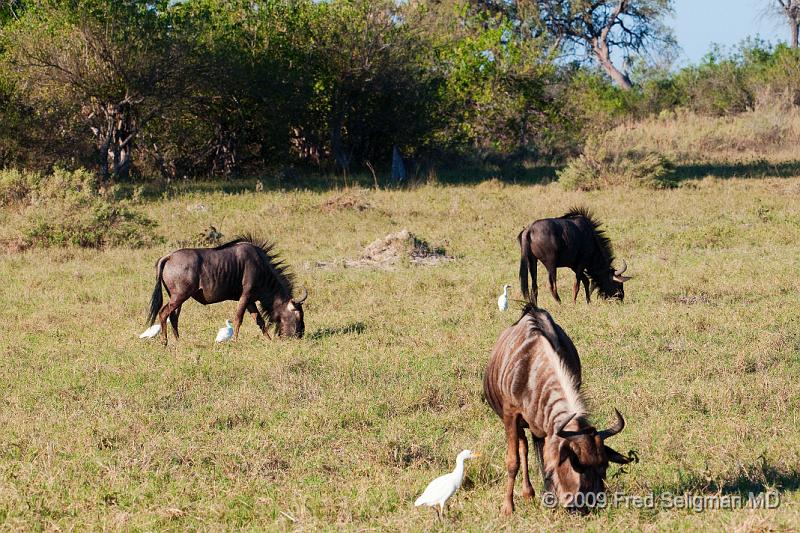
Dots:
pixel 573 240
pixel 243 270
pixel 533 381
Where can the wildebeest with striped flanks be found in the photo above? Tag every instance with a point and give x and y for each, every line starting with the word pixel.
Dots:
pixel 243 269
pixel 576 241
pixel 533 381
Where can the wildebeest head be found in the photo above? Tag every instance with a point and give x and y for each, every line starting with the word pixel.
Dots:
pixel 576 463
pixel 288 317
pixel 612 287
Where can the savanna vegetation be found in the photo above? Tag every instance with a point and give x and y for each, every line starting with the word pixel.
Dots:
pixel 144 90
pixel 345 427
pixel 129 129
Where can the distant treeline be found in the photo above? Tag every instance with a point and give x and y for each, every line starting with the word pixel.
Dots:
pixel 142 89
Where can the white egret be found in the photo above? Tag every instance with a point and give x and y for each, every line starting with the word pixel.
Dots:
pixel 440 489
pixel 225 334
pixel 152 331
pixel 502 301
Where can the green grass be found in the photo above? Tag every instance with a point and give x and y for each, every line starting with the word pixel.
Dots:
pixel 343 429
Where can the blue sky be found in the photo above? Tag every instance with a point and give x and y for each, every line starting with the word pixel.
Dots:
pixel 699 23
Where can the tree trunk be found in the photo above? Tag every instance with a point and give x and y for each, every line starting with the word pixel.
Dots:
pixel 336 143
pixel 603 57
pixel 795 28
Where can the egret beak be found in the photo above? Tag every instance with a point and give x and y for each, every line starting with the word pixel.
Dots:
pixel 476 455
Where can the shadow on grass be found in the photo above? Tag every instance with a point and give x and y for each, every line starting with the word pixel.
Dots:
pixel 752 170
pixel 746 479
pixel 466 175
pixel 355 328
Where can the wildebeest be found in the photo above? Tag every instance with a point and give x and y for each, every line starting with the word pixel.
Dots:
pixel 573 240
pixel 533 381
pixel 242 269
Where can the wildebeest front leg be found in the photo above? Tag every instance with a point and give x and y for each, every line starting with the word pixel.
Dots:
pixel 512 462
pixel 551 278
pixel 576 287
pixel 253 310
pixel 586 286
pixel 241 307
pixel 527 488
pixel 538 445
pixel 580 276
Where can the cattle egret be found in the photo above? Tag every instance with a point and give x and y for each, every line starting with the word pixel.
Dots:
pixel 152 331
pixel 225 334
pixel 502 301
pixel 440 489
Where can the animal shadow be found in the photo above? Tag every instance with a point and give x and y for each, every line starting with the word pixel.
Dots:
pixel 356 328
pixel 756 477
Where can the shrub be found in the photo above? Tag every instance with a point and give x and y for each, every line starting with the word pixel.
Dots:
pixel 598 168
pixel 16 186
pixel 68 208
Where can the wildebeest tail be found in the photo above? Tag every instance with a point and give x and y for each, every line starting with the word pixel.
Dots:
pixel 157 299
pixel 526 259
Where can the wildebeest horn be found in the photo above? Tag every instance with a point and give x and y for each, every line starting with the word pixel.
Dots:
pixel 303 299
pixel 613 430
pixel 621 270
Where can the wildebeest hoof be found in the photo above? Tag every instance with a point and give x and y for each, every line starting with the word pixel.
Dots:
pixel 508 509
pixel 528 494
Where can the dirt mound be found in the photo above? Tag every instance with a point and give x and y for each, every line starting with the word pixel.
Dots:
pixel 393 249
pixel 354 200
pixel 402 245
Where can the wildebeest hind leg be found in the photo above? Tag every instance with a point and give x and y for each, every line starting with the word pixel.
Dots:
pixel 165 312
pixel 173 319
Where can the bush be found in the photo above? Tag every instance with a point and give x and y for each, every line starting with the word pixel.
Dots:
pixel 68 208
pixel 16 186
pixel 598 168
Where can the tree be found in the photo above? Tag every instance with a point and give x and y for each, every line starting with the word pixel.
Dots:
pixel 372 89
pixel 597 27
pixel 111 66
pixel 790 9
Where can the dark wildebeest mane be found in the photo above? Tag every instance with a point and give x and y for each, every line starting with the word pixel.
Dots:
pixel 595 271
pixel 282 279
pixel 542 322
pixel 603 242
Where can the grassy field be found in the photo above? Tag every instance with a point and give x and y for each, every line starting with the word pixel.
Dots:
pixel 344 428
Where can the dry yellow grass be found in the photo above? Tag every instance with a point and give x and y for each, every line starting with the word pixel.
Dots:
pixel 766 134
